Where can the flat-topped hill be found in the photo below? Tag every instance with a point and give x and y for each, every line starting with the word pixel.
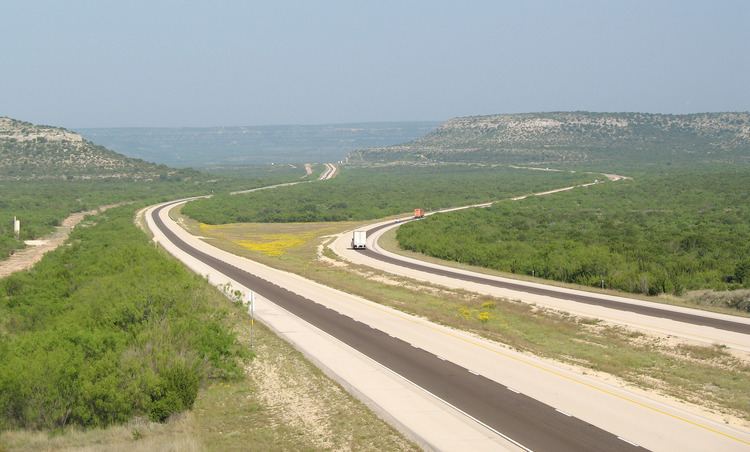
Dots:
pixel 577 137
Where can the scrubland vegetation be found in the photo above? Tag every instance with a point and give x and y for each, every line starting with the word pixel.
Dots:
pixel 109 342
pixel 43 204
pixel 673 231
pixel 667 233
pixel 360 194
pixel 107 328
pixel 29 151
pixel 48 172
pixel 282 402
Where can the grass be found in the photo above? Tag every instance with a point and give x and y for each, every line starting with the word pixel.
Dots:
pixel 269 239
pixel 708 376
pixel 137 435
pixel 286 403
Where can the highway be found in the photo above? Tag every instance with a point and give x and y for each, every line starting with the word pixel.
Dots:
pixel 474 394
pixel 694 325
pixel 329 173
pixel 696 318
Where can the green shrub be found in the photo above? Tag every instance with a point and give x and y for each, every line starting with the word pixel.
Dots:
pixel 108 328
pixel 360 194
pixel 657 234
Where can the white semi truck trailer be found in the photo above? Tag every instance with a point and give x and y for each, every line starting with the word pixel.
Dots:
pixel 359 240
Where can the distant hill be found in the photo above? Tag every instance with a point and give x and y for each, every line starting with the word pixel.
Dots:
pixel 250 145
pixel 29 151
pixel 576 137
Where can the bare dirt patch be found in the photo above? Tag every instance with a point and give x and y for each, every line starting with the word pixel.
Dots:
pixel 27 257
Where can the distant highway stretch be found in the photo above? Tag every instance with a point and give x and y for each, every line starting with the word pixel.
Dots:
pixel 450 390
pixel 329 173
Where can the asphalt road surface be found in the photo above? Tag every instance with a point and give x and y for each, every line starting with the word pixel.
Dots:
pixel 528 422
pixel 654 311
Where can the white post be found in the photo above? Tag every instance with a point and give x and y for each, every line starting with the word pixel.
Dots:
pixel 251 311
pixel 16 227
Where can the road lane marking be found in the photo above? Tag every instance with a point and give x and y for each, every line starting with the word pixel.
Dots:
pixel 559 374
pixel 398 375
pixel 399 314
pixel 629 442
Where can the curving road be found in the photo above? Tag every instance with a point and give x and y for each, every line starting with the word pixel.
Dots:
pixel 445 388
pixel 531 423
pixel 329 173
pixel 691 324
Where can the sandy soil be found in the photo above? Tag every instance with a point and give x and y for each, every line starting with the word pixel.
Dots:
pixel 293 397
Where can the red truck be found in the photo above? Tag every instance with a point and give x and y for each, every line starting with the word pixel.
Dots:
pixel 418 213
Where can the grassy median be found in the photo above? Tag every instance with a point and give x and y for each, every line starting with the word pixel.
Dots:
pixel 709 376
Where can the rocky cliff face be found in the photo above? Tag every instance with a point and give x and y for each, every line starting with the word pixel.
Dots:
pixel 576 137
pixel 29 151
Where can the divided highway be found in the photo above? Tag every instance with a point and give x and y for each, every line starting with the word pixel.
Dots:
pixel 529 422
pixel 476 394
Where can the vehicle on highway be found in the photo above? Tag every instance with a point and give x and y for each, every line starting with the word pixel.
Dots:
pixel 418 213
pixel 359 240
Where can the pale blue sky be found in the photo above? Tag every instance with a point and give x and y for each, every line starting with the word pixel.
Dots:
pixel 180 63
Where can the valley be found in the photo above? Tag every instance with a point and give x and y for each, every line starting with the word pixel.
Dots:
pixel 296 217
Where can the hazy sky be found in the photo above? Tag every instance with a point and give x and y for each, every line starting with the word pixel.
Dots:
pixel 163 63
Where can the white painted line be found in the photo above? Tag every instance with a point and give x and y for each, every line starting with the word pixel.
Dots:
pixel 629 442
pixel 563 412
pixel 398 375
pixel 511 389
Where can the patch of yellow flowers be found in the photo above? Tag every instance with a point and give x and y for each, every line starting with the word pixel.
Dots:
pixel 482 315
pixel 273 244
pixel 268 244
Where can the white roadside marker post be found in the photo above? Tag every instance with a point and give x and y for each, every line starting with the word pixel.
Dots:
pixel 251 311
pixel 16 227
